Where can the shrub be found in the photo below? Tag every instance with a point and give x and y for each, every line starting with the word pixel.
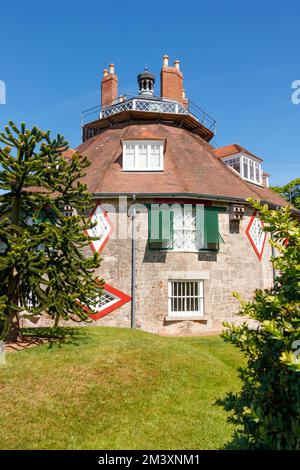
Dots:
pixel 267 409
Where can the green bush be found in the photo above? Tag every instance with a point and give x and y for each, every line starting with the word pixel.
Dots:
pixel 267 409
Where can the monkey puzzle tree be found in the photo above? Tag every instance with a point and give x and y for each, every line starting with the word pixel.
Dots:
pixel 42 265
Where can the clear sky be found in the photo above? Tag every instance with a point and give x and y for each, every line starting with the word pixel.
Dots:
pixel 239 59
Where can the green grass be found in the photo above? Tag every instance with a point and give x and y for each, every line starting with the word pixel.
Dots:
pixel 110 388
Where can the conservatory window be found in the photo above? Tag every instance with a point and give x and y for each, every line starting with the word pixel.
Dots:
pixel 246 172
pixel 251 170
pixel 248 168
pixel 143 155
pixel 235 163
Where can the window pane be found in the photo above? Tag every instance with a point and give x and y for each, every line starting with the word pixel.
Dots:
pixel 141 156
pixel 236 165
pixel 154 157
pixel 129 156
pixel 246 167
pixel 257 172
pixel 251 170
pixel 129 161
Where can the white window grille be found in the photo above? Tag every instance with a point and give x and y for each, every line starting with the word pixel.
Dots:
pixel 186 234
pixel 251 170
pixel 107 299
pixel 143 155
pixel 235 163
pixel 256 235
pixel 102 230
pixel 186 298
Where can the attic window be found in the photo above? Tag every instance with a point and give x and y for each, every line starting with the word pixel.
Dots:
pixel 143 155
pixel 248 168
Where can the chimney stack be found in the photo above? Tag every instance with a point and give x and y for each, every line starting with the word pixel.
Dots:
pixel 171 82
pixel 109 86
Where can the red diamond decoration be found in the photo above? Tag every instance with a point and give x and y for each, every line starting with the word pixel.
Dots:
pixel 102 230
pixel 256 235
pixel 110 299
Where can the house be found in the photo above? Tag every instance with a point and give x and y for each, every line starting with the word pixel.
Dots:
pixel 173 225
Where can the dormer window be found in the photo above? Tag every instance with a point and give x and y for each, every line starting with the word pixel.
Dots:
pixel 247 167
pixel 251 170
pixel 143 155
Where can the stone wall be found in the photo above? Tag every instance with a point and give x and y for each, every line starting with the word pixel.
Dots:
pixel 235 267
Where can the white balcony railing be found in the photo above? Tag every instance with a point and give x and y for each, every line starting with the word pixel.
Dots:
pixel 148 105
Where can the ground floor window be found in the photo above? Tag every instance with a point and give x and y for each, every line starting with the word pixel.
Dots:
pixel 186 298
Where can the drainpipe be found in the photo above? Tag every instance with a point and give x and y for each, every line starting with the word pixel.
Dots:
pixel 133 265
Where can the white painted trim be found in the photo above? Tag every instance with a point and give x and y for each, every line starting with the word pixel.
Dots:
pixel 185 314
pixel 148 143
pixel 187 318
pixel 240 156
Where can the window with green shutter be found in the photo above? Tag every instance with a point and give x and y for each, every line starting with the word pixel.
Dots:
pixel 187 228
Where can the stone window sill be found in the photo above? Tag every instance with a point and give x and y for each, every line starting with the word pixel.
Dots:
pixel 187 318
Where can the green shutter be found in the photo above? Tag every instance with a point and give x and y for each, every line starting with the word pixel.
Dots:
pixel 160 225
pixel 211 228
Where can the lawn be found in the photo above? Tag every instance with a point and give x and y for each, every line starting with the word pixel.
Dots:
pixel 110 388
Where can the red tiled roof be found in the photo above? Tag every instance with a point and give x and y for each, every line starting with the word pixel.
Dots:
pixel 68 153
pixel 190 166
pixel 232 149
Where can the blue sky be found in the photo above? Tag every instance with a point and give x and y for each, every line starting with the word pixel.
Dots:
pixel 239 59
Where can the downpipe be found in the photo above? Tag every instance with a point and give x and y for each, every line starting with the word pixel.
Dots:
pixel 133 264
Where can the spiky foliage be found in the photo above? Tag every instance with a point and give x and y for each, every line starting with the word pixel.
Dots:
pixel 43 267
pixel 268 406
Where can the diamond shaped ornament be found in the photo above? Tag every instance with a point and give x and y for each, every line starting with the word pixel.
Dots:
pixel 256 235
pixel 110 299
pixel 102 230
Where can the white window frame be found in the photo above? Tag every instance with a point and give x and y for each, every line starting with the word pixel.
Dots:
pixel 136 166
pixel 104 301
pixel 250 161
pixel 185 314
pixel 187 210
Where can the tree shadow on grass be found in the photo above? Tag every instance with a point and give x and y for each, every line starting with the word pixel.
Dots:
pixel 238 442
pixel 58 337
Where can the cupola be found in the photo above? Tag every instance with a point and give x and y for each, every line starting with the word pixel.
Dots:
pixel 146 82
